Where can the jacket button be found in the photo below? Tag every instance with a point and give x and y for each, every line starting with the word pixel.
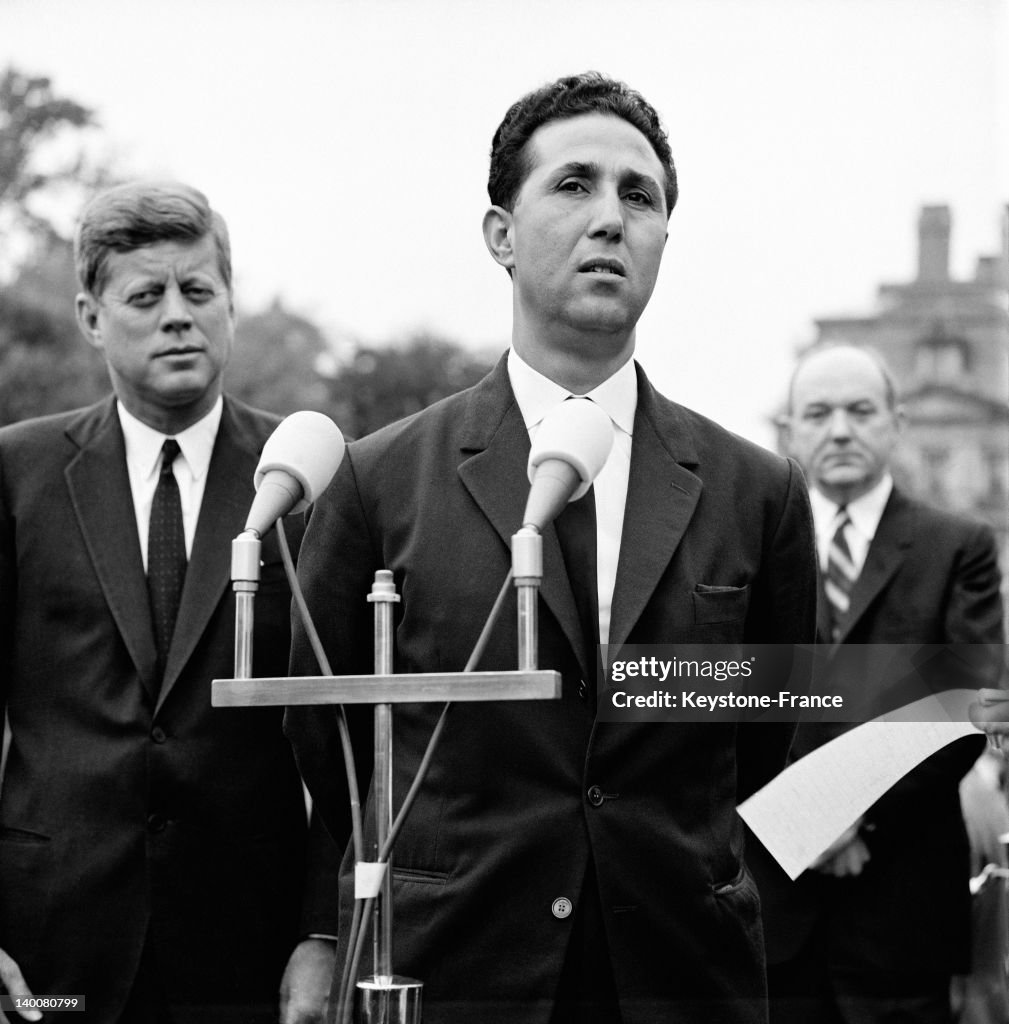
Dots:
pixel 561 907
pixel 156 822
pixel 583 690
pixel 596 797
pixel 158 734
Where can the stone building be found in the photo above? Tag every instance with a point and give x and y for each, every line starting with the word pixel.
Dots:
pixel 947 343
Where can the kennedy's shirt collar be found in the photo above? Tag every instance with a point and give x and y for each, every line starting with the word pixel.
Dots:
pixel 143 443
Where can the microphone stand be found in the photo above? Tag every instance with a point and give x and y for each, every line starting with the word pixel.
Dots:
pixel 245 557
pixel 527 570
pixel 387 998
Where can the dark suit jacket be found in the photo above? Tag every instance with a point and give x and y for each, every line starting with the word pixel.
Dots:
pixel 930 578
pixel 503 825
pixel 128 817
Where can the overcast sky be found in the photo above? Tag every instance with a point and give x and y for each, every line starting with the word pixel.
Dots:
pixel 346 143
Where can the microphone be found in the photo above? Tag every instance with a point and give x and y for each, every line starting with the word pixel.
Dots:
pixel 299 459
pixel 568 452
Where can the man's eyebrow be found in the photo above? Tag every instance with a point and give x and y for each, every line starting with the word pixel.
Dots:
pixel 591 170
pixel 642 180
pixel 577 169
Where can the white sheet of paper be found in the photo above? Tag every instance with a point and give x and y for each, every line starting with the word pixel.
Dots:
pixel 800 812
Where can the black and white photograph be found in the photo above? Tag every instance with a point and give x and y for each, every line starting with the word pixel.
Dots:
pixel 418 418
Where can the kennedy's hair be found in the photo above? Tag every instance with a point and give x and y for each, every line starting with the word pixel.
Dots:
pixel 142 213
pixel 587 93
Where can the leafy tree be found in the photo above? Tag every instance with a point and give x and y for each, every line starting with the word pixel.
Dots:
pixel 45 364
pixel 382 384
pixel 276 360
pixel 33 115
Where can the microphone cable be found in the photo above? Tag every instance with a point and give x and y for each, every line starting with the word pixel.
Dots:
pixel 357 830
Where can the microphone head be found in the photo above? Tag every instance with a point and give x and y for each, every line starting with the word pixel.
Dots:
pixel 577 432
pixel 307 446
pixel 569 450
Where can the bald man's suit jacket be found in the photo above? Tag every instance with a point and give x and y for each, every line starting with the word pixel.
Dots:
pixel 130 816
pixel 717 547
pixel 930 579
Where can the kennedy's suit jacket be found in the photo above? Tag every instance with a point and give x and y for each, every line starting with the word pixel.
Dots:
pixel 717 547
pixel 930 578
pixel 127 815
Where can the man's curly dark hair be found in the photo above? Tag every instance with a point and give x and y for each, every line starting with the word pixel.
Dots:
pixel 587 93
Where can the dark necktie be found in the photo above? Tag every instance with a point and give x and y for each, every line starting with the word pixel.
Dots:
pixel 841 574
pixel 166 554
pixel 576 531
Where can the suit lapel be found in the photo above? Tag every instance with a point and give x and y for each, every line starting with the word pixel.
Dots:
pixel 226 500
pixel 496 442
pixel 885 556
pixel 99 487
pixel 661 497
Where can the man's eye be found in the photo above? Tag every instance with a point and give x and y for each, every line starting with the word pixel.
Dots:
pixel 815 414
pixel 144 299
pixel 199 294
pixel 571 186
pixel 639 198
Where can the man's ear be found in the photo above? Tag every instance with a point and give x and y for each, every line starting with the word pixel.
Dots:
pixel 497 233
pixel 900 415
pixel 784 424
pixel 86 307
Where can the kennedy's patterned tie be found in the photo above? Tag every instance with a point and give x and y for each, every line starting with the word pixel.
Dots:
pixel 841 574
pixel 166 554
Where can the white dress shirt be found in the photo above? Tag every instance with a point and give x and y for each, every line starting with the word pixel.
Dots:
pixel 143 462
pixel 617 396
pixel 865 513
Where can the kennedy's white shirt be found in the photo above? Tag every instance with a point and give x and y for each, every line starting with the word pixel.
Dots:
pixel 143 462
pixel 617 396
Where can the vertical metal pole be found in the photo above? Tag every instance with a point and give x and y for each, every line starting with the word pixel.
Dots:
pixel 245 553
pixel 383 595
pixel 527 570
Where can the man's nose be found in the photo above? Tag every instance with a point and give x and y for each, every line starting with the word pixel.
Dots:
pixel 840 426
pixel 607 215
pixel 175 314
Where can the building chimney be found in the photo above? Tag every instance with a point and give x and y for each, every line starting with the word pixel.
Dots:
pixel 933 243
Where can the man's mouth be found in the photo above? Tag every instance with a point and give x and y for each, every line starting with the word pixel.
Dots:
pixel 603 266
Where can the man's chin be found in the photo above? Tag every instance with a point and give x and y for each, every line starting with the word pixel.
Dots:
pixel 185 391
pixel 602 317
pixel 846 477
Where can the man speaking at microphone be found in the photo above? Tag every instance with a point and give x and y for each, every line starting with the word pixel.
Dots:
pixel 556 868
pixel 152 849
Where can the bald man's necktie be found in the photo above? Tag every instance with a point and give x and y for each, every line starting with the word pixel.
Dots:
pixel 576 531
pixel 166 554
pixel 841 574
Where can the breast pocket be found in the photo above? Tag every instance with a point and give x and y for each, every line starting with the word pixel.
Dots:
pixel 713 604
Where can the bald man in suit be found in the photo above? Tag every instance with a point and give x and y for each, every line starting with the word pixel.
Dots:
pixel 875 930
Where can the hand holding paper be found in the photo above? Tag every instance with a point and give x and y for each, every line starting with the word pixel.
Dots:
pixel 990 713
pixel 799 813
